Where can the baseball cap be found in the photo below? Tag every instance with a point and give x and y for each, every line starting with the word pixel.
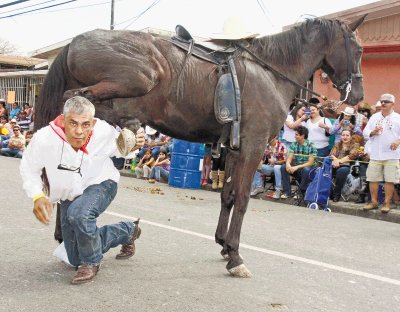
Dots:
pixel 387 97
pixel 13 120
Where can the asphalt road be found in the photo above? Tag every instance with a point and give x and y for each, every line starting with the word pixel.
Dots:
pixel 301 259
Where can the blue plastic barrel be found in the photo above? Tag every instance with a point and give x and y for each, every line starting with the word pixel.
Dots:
pixel 186 164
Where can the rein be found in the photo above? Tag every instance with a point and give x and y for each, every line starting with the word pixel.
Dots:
pixel 266 65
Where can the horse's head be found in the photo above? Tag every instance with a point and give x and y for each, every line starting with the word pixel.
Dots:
pixel 342 63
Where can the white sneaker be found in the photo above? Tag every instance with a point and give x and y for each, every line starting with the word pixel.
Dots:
pixel 284 196
pixel 277 194
pixel 256 191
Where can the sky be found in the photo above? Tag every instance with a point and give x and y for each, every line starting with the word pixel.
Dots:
pixel 36 30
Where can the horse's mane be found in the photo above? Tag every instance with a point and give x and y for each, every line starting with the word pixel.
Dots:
pixel 286 48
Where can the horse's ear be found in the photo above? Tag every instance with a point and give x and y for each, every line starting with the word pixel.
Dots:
pixel 354 25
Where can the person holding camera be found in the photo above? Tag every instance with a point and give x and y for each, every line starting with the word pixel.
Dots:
pixel 297 117
pixel 346 121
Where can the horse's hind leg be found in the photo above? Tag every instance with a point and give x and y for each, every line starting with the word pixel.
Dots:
pixel 227 198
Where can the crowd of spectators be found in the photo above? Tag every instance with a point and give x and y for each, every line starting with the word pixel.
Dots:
pixel 362 136
pixel 16 127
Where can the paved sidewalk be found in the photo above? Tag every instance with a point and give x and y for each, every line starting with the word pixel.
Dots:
pixel 349 207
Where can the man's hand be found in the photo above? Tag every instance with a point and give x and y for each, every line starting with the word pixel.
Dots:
pixel 291 169
pixel 271 161
pixel 140 138
pixel 43 209
pixel 395 145
pixel 376 131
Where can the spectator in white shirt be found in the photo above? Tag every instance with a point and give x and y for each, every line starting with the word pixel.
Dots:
pixel 383 134
pixel 297 117
pixel 319 129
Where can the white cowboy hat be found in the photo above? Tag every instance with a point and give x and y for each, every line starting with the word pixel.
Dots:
pixel 233 29
pixel 126 141
pixel 348 111
pixel 150 130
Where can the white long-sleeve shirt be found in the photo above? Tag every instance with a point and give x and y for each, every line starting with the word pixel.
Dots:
pixel 378 146
pixel 47 149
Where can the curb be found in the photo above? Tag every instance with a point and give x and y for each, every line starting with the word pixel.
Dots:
pixel 343 207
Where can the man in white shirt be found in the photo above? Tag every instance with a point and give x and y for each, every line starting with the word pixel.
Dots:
pixel 383 134
pixel 75 150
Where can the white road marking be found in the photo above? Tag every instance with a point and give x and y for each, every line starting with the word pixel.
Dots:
pixel 270 252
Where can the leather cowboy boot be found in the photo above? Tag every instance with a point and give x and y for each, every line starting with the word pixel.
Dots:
pixel 214 178
pixel 128 250
pixel 221 179
pixel 85 273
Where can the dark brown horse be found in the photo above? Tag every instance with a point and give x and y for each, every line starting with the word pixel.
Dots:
pixel 149 78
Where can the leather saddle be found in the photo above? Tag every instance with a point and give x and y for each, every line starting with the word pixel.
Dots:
pixel 227 101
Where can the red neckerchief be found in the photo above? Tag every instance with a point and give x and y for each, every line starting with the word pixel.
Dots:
pixel 60 131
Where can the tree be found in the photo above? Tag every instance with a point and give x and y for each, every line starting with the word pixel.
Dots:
pixel 6 47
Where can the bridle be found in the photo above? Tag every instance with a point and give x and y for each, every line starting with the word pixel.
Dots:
pixel 346 85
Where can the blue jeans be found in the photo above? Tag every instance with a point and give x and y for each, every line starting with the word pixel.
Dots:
pixel 11 152
pixel 301 175
pixel 267 170
pixel 341 174
pixel 85 243
pixel 158 172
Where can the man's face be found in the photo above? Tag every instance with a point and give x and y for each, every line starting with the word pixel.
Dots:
pixel 386 107
pixel 299 138
pixel 77 128
pixel 16 132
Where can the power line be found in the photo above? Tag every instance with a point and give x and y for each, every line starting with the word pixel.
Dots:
pixel 135 18
pixel 29 6
pixel 72 8
pixel 12 3
pixel 50 6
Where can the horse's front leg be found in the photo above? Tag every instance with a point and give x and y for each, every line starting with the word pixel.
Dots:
pixel 242 176
pixel 116 88
pixel 227 197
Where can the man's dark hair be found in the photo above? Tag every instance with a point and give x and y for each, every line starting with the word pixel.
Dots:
pixel 301 130
pixel 313 100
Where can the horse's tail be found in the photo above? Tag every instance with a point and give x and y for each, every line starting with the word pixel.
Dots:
pixel 49 104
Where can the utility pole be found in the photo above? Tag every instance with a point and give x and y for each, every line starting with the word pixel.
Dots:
pixel 112 15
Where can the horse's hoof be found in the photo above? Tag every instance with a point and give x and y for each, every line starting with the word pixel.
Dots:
pixel 240 271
